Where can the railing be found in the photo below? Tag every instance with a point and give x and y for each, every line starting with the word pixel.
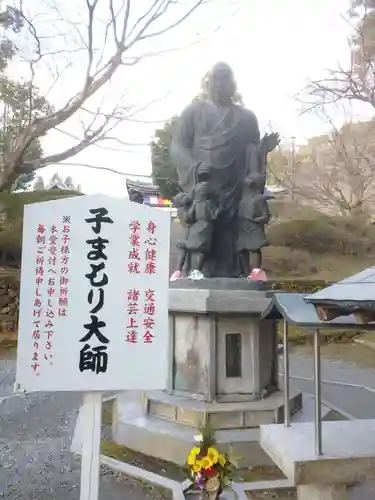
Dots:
pixel 317 383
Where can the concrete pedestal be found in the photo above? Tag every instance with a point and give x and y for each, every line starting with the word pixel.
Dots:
pixel 222 371
pixel 348 456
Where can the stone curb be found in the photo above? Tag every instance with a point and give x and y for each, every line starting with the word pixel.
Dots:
pixel 238 489
pixel 144 475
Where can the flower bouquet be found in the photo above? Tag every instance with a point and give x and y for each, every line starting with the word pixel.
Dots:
pixel 211 471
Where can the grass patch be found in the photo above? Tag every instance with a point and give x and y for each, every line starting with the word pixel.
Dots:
pixel 368 337
pixel 303 335
pixel 132 457
pixel 151 464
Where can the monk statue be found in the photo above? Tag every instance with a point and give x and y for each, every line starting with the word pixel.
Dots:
pixel 212 141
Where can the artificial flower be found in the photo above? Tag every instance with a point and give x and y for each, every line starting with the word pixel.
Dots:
pixel 192 458
pixel 206 463
pixel 200 481
pixel 222 460
pixel 211 472
pixel 196 467
pixel 213 455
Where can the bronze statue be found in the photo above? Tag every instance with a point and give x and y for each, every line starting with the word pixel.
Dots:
pixel 212 144
pixel 253 212
pixel 197 213
pixel 253 216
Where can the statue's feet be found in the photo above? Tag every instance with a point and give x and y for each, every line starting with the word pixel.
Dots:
pixel 196 275
pixel 177 275
pixel 257 275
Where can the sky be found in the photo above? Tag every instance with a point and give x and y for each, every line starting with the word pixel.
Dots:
pixel 274 48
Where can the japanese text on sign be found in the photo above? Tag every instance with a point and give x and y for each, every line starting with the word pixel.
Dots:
pixel 93 355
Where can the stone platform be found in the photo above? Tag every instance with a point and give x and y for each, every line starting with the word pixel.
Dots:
pixel 348 456
pixel 222 370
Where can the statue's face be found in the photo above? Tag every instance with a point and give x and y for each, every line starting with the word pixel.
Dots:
pixel 221 84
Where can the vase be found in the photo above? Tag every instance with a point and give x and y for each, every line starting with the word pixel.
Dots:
pixel 213 495
pixel 213 488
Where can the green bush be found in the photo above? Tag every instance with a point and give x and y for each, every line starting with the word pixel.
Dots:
pixel 284 261
pixel 299 286
pixel 11 207
pixel 335 235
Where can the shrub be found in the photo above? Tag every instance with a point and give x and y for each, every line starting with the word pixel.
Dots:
pixel 336 235
pixel 11 209
pixel 284 261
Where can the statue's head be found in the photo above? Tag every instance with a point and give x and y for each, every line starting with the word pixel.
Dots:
pixel 181 200
pixel 221 84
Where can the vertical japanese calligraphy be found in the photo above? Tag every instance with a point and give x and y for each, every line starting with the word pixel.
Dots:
pixel 150 251
pixel 149 312
pixel 133 312
pixel 63 300
pixel 93 354
pixel 40 240
pixel 49 325
pixel 134 257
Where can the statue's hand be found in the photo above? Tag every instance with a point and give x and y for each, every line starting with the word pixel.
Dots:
pixel 271 141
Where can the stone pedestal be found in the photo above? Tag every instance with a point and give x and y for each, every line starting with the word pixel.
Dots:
pixel 223 371
pixel 348 456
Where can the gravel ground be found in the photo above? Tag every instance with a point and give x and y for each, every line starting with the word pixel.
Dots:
pixel 36 431
pixel 35 458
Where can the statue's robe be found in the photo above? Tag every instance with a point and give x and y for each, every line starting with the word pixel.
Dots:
pixel 218 137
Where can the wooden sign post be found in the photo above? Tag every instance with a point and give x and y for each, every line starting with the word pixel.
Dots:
pixel 94 306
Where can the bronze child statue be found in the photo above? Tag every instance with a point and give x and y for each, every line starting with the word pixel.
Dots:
pixel 198 213
pixel 253 216
pixel 253 212
pixel 182 202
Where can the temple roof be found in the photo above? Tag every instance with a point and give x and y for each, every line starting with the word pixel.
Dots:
pixel 145 188
pixel 355 294
pixel 296 310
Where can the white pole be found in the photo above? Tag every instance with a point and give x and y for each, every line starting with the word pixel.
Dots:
pixel 286 376
pixel 91 433
pixel 318 394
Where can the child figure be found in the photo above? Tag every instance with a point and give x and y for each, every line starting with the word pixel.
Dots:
pixel 183 203
pixel 199 236
pixel 198 213
pixel 253 216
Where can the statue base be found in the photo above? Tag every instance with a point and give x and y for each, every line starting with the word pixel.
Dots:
pixel 222 371
pixel 164 426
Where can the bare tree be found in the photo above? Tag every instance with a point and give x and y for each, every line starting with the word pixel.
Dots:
pixel 100 37
pixel 354 81
pixel 336 172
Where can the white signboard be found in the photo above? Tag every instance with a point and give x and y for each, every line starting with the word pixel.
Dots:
pixel 94 296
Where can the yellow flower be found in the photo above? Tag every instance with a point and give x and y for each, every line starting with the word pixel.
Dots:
pixel 222 460
pixel 213 455
pixel 206 463
pixel 196 467
pixel 192 458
